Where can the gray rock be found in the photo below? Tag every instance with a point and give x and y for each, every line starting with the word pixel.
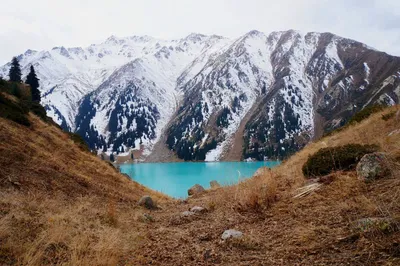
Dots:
pixel 196 189
pixel 198 209
pixel 231 233
pixel 261 171
pixel 127 176
pixel 187 213
pixel 373 166
pixel 214 184
pixel 147 202
pixel 147 218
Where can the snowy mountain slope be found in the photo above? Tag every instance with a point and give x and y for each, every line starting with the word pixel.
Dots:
pixel 333 83
pixel 281 89
pixel 142 95
pixel 219 96
pixel 298 78
pixel 68 74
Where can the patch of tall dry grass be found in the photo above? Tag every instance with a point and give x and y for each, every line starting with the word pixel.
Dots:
pixel 60 205
pixel 48 231
pixel 255 194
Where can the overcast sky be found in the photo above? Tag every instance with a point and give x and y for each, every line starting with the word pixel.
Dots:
pixel 43 24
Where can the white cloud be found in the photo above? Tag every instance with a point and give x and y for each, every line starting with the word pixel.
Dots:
pixel 41 24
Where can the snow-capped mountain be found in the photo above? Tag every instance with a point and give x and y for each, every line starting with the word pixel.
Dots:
pixel 209 97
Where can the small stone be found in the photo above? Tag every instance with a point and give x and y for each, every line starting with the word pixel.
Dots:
pixel 261 171
pixel 205 237
pixel 327 179
pixel 373 166
pixel 147 202
pixel 214 184
pixel 183 201
pixel 147 218
pixel 196 189
pixel 187 213
pixel 207 254
pixel 231 233
pixel 197 209
pixel 126 175
pixel 371 224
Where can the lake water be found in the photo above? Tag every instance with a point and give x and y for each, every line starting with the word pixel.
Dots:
pixel 174 179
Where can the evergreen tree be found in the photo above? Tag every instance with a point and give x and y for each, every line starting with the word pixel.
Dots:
pixel 112 159
pixel 33 81
pixel 15 71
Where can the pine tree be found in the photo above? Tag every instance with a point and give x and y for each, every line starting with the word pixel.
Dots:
pixel 15 71
pixel 112 159
pixel 33 81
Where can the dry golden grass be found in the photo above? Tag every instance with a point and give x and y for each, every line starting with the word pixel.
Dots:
pixel 370 131
pixel 61 205
pixel 263 189
pixel 255 194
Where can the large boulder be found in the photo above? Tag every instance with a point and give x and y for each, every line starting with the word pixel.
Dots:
pixel 147 202
pixel 196 189
pixel 373 166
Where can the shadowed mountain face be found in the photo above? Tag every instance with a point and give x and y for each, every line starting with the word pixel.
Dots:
pixel 206 96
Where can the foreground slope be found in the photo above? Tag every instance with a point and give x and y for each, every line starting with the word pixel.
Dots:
pixel 282 229
pixel 56 197
pixel 61 205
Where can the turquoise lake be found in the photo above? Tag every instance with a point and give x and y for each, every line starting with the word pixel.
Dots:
pixel 174 179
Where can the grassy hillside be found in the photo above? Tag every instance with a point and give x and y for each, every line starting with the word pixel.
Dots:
pixel 60 205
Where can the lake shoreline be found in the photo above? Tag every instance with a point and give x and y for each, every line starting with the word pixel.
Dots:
pixel 175 178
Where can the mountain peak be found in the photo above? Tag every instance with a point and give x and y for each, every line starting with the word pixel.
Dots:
pixel 30 52
pixel 112 40
pixel 254 33
pixel 195 37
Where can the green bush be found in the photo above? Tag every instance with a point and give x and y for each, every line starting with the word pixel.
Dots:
pixel 16 90
pixel 365 113
pixel 388 116
pixel 79 141
pixel 328 160
pixel 17 110
pixel 14 111
pixel 38 110
pixel 357 118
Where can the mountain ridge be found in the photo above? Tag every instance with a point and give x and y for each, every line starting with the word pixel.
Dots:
pixel 122 93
